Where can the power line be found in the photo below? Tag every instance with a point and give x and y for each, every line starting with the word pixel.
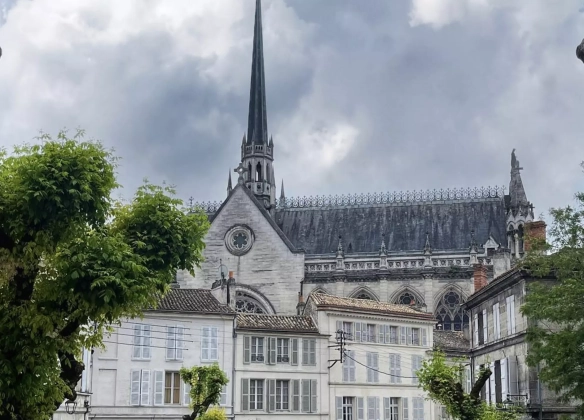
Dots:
pixel 140 345
pixel 377 370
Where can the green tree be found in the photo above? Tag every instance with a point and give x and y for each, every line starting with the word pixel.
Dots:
pixel 443 383
pixel 73 262
pixel 555 304
pixel 206 384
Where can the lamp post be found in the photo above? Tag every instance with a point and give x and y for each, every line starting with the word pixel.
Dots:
pixel 71 407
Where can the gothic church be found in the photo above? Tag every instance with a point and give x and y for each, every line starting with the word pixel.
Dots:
pixel 419 248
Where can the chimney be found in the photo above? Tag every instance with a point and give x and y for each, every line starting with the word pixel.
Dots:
pixel 301 304
pixel 480 277
pixel 534 230
pixel 501 262
pixel 221 290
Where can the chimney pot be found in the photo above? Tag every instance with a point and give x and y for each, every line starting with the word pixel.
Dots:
pixel 231 274
pixel 480 277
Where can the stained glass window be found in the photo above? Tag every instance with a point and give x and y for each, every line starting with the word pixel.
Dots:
pixel 449 312
pixel 247 304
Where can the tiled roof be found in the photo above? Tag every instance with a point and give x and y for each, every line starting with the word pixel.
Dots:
pixel 451 340
pixel 321 299
pixel 276 323
pixel 192 300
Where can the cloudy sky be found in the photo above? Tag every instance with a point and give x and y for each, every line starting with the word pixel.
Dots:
pixel 363 96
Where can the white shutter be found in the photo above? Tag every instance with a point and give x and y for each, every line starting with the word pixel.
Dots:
pixel 409 335
pixel 294 356
pixel 245 394
pixel 375 360
pixel 159 387
pixel 403 335
pixel 369 364
pixel 339 326
pixel 492 384
pixel 135 387
pixel 145 391
pixel 387 334
pixel 186 394
pixel 312 352
pixel 146 341
pixel 386 413
pixel 170 344
pixel 496 322
pixel 405 409
pixel 296 395
pixel 352 367
pixel 358 327
pixel 272 354
pixel 246 349
pixel 339 406
pixel 313 396
pixel 381 333
pixel 137 342
pixel 476 329
pixel 469 381
pixel 271 395
pixel 504 380
pixel 179 342
pixel 304 351
pixel 508 313
pixel 213 345
pixel 424 337
pixel 205 343
pixel 512 313
pixel 377 408
pixel 398 368
pixel 305 387
pixel 513 375
pixel 371 408
pixel 360 408
pixel 485 326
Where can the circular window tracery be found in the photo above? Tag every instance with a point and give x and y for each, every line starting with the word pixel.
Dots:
pixel 450 314
pixel 363 295
pixel 239 240
pixel 406 298
pixel 245 303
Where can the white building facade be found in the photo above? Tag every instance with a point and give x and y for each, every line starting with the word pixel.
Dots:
pixel 137 375
pixel 385 346
pixel 280 368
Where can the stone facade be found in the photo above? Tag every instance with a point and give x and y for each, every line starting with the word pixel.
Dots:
pixel 498 337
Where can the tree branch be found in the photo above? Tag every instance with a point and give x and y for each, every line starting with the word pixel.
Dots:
pixel 475 393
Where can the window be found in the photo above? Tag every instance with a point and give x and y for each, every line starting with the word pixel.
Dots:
pixel 141 342
pixel 449 312
pixel 140 387
pixel 245 303
pixel 390 408
pixel 256 394
pixel 372 408
pixel 372 367
pixel 511 329
pixel 174 342
pixel 282 395
pixel 481 330
pixel 309 392
pixel 391 334
pixel 172 388
pixel 496 322
pixel 209 344
pixel 283 347
pixel 416 365
pixel 418 408
pixel 345 408
pixel 347 327
pixel 416 337
pixel 349 367
pixel 309 352
pixel 395 368
pixel 257 349
pixel 364 296
pixel 406 298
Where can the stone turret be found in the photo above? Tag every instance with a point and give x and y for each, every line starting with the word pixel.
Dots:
pixel 519 210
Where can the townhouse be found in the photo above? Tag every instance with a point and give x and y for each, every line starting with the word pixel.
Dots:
pixel 137 374
pixel 375 374
pixel 280 368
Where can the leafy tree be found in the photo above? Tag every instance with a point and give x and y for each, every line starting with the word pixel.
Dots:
pixel 443 383
pixel 206 384
pixel 555 308
pixel 73 261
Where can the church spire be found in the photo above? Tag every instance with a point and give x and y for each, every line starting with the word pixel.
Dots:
pixel 517 194
pixel 229 185
pixel 257 123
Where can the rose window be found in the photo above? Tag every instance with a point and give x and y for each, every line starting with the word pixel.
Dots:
pixel 246 304
pixel 240 240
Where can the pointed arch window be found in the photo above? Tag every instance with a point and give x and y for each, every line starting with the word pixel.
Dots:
pixel 258 172
pixel 245 303
pixel 406 298
pixel 364 295
pixel 249 174
pixel 450 314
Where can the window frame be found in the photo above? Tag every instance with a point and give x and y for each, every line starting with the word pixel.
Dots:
pixel 174 377
pixel 256 398
pixel 256 344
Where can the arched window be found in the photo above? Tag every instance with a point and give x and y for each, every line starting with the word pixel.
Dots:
pixel 249 174
pixel 259 172
pixel 520 239
pixel 449 312
pixel 247 304
pixel 406 298
pixel 364 295
pixel 268 172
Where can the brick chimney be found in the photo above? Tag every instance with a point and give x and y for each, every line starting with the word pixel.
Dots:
pixel 480 277
pixel 535 230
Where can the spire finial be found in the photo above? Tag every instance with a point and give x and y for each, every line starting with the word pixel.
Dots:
pixel 382 249
pixel 257 123
pixel 473 242
pixel 282 194
pixel 229 185
pixel 340 247
pixel 516 191
pixel 427 247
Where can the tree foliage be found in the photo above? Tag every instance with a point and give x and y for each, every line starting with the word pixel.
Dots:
pixel 555 307
pixel 73 261
pixel 206 384
pixel 443 383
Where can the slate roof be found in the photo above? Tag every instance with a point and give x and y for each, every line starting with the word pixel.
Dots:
pixel 337 302
pixel 451 340
pixel 192 300
pixel 282 323
pixel 317 230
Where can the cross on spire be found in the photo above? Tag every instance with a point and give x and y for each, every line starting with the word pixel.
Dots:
pixel 240 171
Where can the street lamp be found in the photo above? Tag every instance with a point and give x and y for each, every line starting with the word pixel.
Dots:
pixel 71 407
